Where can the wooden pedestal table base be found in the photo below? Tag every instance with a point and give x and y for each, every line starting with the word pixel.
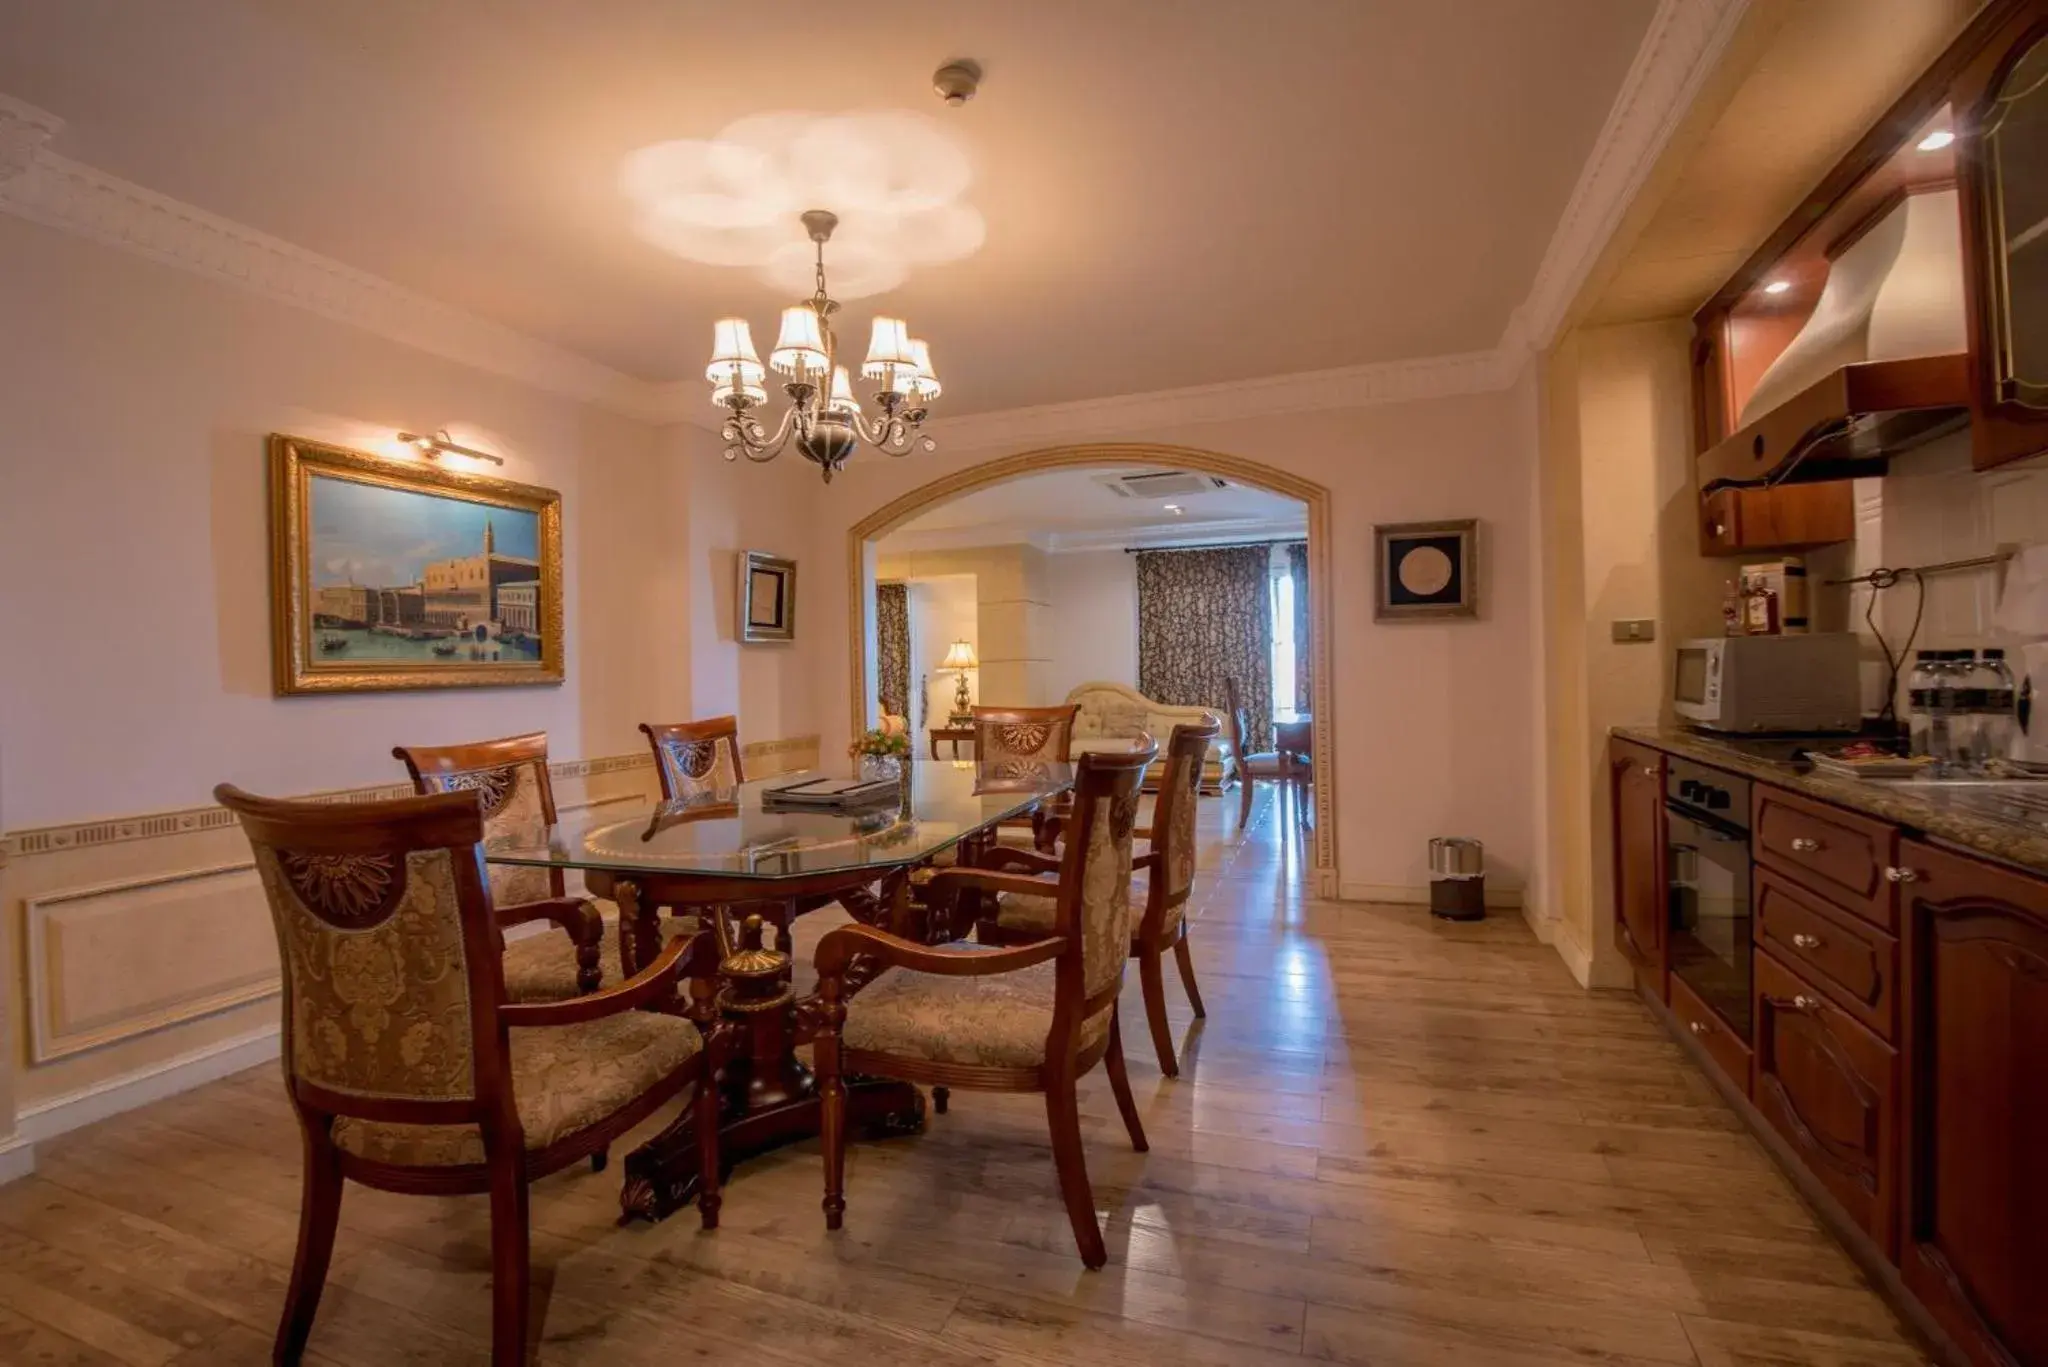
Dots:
pixel 767 1097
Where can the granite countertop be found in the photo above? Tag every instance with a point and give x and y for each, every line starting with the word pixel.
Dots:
pixel 1926 809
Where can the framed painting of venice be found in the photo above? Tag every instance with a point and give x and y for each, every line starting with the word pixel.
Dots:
pixel 388 575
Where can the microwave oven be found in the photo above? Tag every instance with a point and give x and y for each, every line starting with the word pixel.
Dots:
pixel 1751 684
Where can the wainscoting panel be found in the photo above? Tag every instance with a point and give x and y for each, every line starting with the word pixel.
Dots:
pixel 127 958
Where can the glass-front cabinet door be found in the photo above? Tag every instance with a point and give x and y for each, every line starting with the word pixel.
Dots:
pixel 2010 167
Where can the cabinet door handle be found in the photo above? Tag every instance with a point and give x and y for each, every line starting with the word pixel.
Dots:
pixel 1805 844
pixel 1649 771
pixel 1806 942
pixel 1718 530
pixel 1802 1002
pixel 1902 875
pixel 1700 1027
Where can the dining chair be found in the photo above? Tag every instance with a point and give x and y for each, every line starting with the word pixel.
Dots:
pixel 510 777
pixel 1163 879
pixel 1008 736
pixel 1030 1018
pixel 408 1067
pixel 1267 766
pixel 696 757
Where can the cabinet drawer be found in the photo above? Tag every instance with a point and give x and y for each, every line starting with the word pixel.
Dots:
pixel 1727 1051
pixel 1856 964
pixel 1844 857
pixel 1830 1088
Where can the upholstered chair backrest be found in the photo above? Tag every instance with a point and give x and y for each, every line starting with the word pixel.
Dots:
pixel 696 757
pixel 1173 816
pixel 387 943
pixel 1236 718
pixel 1095 873
pixel 510 776
pixel 1028 734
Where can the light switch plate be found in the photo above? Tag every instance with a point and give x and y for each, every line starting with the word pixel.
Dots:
pixel 1632 629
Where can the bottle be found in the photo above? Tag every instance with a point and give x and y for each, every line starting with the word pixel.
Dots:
pixel 1941 707
pixel 1731 610
pixel 1998 724
pixel 1965 708
pixel 1920 701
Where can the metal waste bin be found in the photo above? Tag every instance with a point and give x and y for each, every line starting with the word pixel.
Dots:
pixel 1457 878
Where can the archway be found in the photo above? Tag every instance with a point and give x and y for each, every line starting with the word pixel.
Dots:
pixel 1313 496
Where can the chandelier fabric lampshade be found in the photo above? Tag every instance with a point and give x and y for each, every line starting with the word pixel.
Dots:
pixel 960 655
pixel 800 349
pixel 732 349
pixel 823 422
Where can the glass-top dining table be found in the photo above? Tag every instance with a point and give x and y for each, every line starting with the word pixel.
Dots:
pixel 745 859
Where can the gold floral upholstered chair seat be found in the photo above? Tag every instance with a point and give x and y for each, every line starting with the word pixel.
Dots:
pixel 510 779
pixel 1030 1018
pixel 407 1066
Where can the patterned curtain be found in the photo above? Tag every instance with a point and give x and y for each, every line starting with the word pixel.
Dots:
pixel 1204 616
pixel 1297 566
pixel 892 637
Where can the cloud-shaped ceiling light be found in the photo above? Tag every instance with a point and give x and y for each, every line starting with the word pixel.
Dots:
pixel 896 180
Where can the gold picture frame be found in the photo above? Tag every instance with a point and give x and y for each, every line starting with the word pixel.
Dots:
pixel 1425 571
pixel 459 619
pixel 767 598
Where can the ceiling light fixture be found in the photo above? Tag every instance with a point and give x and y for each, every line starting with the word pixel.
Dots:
pixel 1175 509
pixel 1936 140
pixel 1777 287
pixel 823 418
pixel 441 444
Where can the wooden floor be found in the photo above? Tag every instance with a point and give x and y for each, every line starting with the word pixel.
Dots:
pixel 1395 1141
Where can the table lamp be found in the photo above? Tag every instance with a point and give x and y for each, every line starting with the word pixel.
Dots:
pixel 960 657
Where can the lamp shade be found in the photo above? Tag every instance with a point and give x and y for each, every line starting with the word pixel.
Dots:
pixel 888 348
pixel 801 347
pixel 726 389
pixel 842 392
pixel 960 655
pixel 924 384
pixel 732 349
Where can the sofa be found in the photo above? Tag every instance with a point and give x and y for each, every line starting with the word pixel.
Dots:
pixel 1111 714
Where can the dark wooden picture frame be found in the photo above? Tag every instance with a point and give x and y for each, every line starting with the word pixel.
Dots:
pixel 1449 586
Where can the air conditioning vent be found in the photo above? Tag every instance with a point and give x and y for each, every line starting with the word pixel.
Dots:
pixel 1162 484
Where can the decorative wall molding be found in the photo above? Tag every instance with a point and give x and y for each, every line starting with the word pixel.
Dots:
pixel 23 131
pixel 1684 41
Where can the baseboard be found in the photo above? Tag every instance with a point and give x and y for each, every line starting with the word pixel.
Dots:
pixel 48 1119
pixel 17 1159
pixel 1578 960
pixel 1404 895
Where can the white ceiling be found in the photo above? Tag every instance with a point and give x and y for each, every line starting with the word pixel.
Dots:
pixel 1175 195
pixel 1069 510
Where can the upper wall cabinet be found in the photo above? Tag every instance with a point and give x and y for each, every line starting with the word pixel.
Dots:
pixel 1905 298
pixel 2003 97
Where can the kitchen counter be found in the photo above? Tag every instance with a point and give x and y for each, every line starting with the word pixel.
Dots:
pixel 1928 809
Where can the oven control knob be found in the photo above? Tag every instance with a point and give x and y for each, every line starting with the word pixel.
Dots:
pixel 1718 799
pixel 1689 790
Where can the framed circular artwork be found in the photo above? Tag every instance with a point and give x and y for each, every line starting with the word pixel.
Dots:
pixel 1426 570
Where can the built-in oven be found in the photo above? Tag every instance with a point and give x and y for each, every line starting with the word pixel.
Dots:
pixel 1707 862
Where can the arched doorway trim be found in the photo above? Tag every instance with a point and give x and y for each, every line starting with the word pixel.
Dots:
pixel 1316 498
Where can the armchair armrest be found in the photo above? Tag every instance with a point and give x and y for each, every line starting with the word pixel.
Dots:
pixel 1010 857
pixel 577 915
pixel 651 982
pixel 836 951
pixel 949 880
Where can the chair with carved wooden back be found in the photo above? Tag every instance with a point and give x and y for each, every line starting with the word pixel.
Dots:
pixel 1267 766
pixel 1012 736
pixel 1030 1018
pixel 510 776
pixel 696 757
pixel 407 1066
pixel 1164 878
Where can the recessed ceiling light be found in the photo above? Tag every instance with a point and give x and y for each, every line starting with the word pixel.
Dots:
pixel 1936 140
pixel 1777 287
pixel 1175 509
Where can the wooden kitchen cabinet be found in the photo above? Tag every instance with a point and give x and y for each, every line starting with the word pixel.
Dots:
pixel 1974 1236
pixel 1830 1089
pixel 1795 517
pixel 1636 779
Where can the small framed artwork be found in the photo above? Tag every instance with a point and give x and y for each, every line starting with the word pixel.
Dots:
pixel 1426 570
pixel 767 607
pixel 388 575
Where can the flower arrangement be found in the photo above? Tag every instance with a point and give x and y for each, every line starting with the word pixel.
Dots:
pixel 882 742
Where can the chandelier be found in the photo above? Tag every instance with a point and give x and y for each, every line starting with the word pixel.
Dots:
pixel 823 419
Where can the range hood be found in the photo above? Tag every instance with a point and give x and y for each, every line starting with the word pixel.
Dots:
pixel 1880 366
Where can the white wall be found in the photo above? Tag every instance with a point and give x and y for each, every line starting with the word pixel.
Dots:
pixel 1093 607
pixel 1432 719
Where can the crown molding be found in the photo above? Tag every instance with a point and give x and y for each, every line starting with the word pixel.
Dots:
pixel 1678 52
pixel 23 131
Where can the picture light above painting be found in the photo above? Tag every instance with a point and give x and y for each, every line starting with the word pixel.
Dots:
pixel 389 575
